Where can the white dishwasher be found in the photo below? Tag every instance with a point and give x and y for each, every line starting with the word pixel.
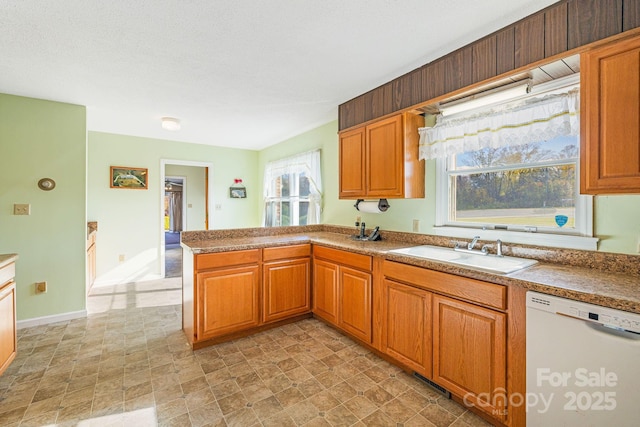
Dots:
pixel 583 364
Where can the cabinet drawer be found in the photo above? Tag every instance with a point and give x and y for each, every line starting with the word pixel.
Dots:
pixel 7 273
pixel 226 259
pixel 361 262
pixel 286 252
pixel 484 293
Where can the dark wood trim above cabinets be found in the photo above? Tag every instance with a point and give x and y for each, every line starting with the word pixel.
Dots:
pixel 555 30
pixel 562 27
pixel 529 40
pixel 593 20
pixel 630 14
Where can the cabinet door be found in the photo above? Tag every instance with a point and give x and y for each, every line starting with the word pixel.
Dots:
pixel 285 289
pixel 407 326
pixel 352 163
pixel 354 304
pixel 228 301
pixel 610 119
pixel 384 158
pixel 8 336
pixel 469 346
pixel 325 290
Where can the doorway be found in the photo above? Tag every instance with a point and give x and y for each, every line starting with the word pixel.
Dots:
pixel 175 218
pixel 185 210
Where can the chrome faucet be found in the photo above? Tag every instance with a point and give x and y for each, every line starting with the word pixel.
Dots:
pixel 469 249
pixel 499 247
pixel 473 242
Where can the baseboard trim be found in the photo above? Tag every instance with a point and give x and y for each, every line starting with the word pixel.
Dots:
pixel 54 318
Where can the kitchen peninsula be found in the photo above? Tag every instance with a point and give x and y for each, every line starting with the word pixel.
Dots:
pixel 237 282
pixel 8 335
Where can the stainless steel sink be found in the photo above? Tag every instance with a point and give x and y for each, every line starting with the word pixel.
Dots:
pixel 491 263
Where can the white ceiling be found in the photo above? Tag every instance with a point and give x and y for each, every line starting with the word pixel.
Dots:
pixel 237 73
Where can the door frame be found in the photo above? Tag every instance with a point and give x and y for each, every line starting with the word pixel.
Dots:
pixel 208 205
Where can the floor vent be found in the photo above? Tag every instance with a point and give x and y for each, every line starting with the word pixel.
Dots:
pixel 443 391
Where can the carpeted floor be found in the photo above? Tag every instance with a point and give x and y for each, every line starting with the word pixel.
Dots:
pixel 172 255
pixel 173 262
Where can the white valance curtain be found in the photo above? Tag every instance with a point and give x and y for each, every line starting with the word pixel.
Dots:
pixel 307 164
pixel 531 120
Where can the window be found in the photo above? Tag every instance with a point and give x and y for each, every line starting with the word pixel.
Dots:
pixel 529 187
pixel 293 191
pixel 512 168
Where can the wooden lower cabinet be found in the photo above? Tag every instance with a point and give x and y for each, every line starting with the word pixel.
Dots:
pixel 469 353
pixel 454 331
pixel 342 290
pixel 228 301
pixel 285 289
pixel 325 290
pixel 407 326
pixel 354 302
pixel 228 294
pixel 8 331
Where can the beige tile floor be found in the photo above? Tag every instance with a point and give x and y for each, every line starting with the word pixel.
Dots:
pixel 128 364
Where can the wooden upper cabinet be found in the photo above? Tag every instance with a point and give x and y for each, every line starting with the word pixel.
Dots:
pixel 380 160
pixel 469 353
pixel 610 119
pixel 352 163
pixel 383 158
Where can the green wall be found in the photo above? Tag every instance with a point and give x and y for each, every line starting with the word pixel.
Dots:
pixel 129 221
pixel 616 221
pixel 41 139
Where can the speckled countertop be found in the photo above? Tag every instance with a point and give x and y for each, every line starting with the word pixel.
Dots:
pixel 610 280
pixel 7 258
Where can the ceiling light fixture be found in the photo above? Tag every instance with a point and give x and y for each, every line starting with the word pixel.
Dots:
pixel 170 123
pixel 489 97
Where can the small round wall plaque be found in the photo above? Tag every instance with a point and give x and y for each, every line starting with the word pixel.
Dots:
pixel 46 184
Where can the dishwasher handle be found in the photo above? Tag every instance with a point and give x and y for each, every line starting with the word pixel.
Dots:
pixel 606 329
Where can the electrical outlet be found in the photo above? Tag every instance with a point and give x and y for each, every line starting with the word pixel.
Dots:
pixel 21 209
pixel 416 225
pixel 41 287
pixel 218 206
pixel 121 258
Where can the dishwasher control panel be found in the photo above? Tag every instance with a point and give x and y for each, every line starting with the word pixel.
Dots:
pixel 588 312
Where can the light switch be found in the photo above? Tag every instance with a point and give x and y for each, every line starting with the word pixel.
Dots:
pixel 21 209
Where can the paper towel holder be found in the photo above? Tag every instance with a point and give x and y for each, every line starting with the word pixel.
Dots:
pixel 383 204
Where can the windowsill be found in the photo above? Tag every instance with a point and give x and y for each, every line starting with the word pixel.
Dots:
pixel 536 239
